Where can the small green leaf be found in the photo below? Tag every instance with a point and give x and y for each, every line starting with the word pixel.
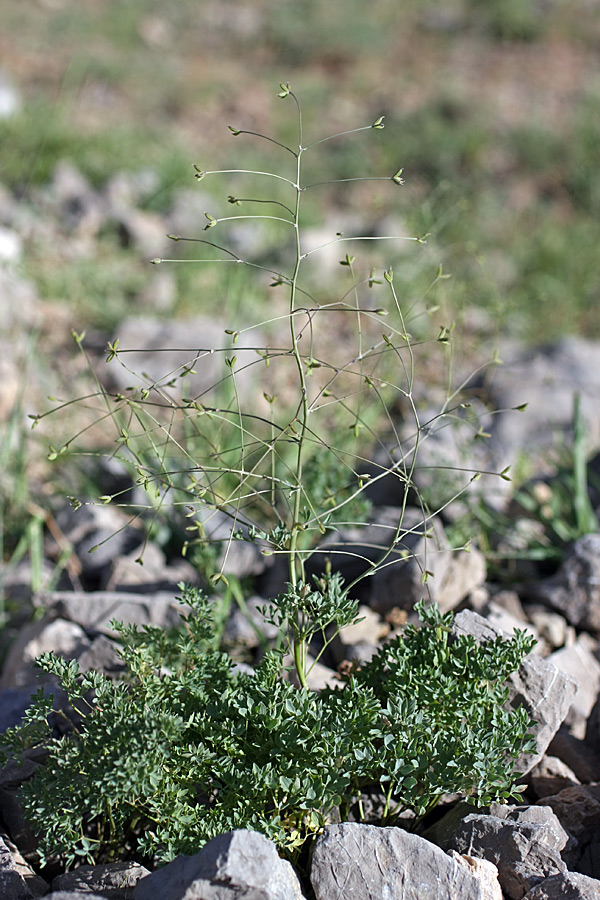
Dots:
pixel 234 131
pixel 211 221
pixel 397 178
pixel 378 123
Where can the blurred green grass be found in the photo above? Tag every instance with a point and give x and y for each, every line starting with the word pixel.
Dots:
pixel 510 200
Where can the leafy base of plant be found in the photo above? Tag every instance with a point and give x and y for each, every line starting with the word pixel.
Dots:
pixel 184 747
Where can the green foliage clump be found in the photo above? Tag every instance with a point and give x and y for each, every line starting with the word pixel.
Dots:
pixel 184 747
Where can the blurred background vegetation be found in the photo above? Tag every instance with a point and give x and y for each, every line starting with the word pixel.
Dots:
pixel 492 109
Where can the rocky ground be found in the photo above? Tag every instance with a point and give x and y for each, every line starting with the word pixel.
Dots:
pixel 547 848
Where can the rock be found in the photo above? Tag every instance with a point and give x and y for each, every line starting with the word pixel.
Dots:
pixel 245 628
pixel 150 575
pixel 98 534
pixel 538 686
pixel 11 247
pixel 77 206
pixel 240 557
pixel 552 627
pixel 578 809
pixel 75 895
pixel 580 664
pixel 550 776
pixel 14 702
pixel 546 380
pixel 506 621
pixel 485 871
pixel 574 590
pixel 35 883
pixel 422 547
pixel 143 231
pixel 12 883
pixel 364 862
pixel 102 656
pixel 63 637
pixel 12 776
pixel 94 611
pixel 580 756
pixel 161 352
pixel 567 886
pixel 524 844
pixel 235 865
pixel 114 880
pixel 361 640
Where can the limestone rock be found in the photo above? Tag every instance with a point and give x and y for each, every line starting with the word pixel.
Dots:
pixel 239 864
pixel 580 664
pixel 567 886
pixel 364 862
pixel 113 880
pixel 63 637
pixel 574 590
pixel 550 776
pixel 94 610
pixel 524 844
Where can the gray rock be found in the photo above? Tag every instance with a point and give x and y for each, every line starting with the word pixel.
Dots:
pixel 98 535
pixel 94 610
pixel 361 640
pixel 580 756
pixel 12 777
pixel 101 655
pixel 150 575
pixel 364 862
pixel 552 627
pixel 485 871
pixel 75 203
pixel 239 865
pixel 35 883
pixel 59 635
pixel 538 686
pixel 524 845
pixel 422 546
pixel 12 883
pixel 567 886
pixel 75 895
pixel 114 880
pixel 578 809
pixel 245 628
pixel 546 379
pixel 143 231
pixel 575 589
pixel 14 702
pixel 161 352
pixel 580 664
pixel 550 776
